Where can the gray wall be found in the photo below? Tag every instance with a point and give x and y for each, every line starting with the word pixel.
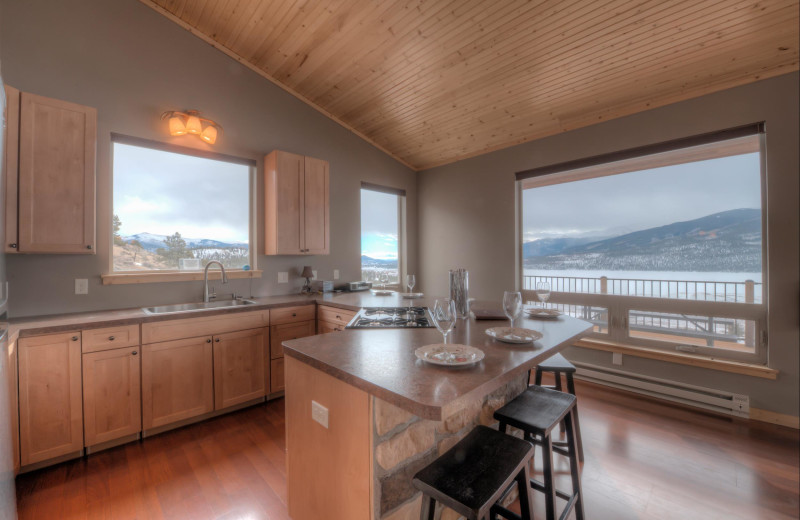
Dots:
pixel 467 212
pixel 131 64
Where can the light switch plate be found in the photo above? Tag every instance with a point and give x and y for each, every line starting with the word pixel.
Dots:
pixel 335 274
pixel 81 286
pixel 319 413
pixel 283 277
pixel 616 358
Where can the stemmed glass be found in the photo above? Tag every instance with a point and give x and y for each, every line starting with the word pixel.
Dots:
pixel 383 278
pixel 543 292
pixel 411 281
pixel 444 316
pixel 512 305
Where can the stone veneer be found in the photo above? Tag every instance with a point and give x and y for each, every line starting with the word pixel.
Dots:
pixel 405 443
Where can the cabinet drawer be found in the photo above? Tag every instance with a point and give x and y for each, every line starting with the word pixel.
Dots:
pixel 335 315
pixel 205 326
pixel 276 376
pixel 292 314
pixel 280 333
pixel 109 338
pixel 328 326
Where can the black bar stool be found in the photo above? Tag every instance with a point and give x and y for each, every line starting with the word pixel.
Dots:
pixel 475 474
pixel 536 411
pixel 558 365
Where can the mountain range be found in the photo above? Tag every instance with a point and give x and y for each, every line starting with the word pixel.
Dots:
pixel 727 241
pixel 152 241
pixel 368 261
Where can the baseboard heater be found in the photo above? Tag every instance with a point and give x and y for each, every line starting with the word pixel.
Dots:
pixel 707 398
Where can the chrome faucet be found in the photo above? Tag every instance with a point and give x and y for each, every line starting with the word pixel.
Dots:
pixel 206 297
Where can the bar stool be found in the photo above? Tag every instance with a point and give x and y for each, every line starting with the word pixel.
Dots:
pixel 475 474
pixel 536 411
pixel 558 365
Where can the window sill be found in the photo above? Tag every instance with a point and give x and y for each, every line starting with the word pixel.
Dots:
pixel 172 276
pixel 724 365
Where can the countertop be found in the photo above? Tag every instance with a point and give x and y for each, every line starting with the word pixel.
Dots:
pixel 382 361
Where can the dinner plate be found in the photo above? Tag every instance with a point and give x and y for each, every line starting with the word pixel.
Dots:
pixel 514 334
pixel 411 295
pixel 381 292
pixel 542 313
pixel 451 355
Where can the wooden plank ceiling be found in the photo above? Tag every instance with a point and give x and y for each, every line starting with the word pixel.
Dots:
pixel 434 81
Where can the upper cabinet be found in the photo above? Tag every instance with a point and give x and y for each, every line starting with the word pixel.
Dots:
pixel 297 208
pixel 50 175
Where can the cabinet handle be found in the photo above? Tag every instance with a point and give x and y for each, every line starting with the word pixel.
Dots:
pixel 88 247
pixel 216 339
pixel 338 317
pixel 134 352
pixel 13 246
pixel 294 315
pixel 111 338
pixel 208 340
pixel 74 338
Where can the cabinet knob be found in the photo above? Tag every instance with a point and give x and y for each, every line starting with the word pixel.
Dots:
pixel 88 247
pixel 74 338
pixel 111 338
pixel 216 339
pixel 13 246
pixel 294 315
pixel 134 352
pixel 208 341
pixel 338 317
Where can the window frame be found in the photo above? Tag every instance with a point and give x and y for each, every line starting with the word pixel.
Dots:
pixel 170 275
pixel 619 306
pixel 401 228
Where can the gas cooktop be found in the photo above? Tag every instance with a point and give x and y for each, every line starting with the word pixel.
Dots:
pixel 391 317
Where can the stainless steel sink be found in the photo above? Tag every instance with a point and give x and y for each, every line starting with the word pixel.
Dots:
pixel 196 307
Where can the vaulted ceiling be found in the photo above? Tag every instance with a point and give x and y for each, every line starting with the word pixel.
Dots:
pixel 434 81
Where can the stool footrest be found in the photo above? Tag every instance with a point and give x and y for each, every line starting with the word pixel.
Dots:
pixel 568 508
pixel 502 511
pixel 538 486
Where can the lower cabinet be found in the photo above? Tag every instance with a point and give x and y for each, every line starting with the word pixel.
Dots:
pixel 279 334
pixel 50 411
pixel 111 395
pixel 177 381
pixel 239 366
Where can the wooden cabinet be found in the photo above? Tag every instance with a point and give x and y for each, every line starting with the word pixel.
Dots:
pixel 332 319
pixel 177 381
pixel 95 340
pixel 204 326
pixel 111 394
pixel 50 414
pixel 292 323
pixel 12 409
pixel 297 205
pixel 50 198
pixel 11 168
pixel 280 333
pixel 239 365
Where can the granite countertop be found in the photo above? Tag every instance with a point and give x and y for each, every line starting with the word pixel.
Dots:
pixel 382 361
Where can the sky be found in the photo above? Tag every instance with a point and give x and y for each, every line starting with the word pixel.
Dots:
pixel 161 193
pixel 378 225
pixel 619 204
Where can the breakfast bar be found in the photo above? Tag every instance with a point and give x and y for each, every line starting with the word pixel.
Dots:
pixel 364 414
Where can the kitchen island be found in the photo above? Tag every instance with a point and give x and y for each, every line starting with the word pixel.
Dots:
pixel 364 414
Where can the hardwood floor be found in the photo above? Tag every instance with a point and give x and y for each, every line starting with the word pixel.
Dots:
pixel 644 459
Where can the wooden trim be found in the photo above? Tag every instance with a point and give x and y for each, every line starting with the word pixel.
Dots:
pixel 266 76
pixel 724 365
pixel 11 169
pixel 782 419
pixel 383 189
pixel 640 151
pixel 172 276
pixel 183 150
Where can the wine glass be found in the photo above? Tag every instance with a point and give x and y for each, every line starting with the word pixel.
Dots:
pixel 411 281
pixel 444 316
pixel 512 305
pixel 383 278
pixel 543 292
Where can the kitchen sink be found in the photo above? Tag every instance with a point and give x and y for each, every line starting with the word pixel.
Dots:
pixel 195 307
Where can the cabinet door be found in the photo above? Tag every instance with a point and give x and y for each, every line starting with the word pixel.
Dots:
pixel 315 207
pixel 276 376
pixel 56 176
pixel 239 367
pixel 280 333
pixel 51 419
pixel 283 185
pixel 112 403
pixel 10 167
pixel 177 381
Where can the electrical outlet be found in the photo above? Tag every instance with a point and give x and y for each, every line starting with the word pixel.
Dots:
pixel 283 277
pixel 314 272
pixel 319 413
pixel 616 358
pixel 81 286
pixel 335 274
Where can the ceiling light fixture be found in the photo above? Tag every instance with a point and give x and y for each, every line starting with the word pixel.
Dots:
pixel 190 122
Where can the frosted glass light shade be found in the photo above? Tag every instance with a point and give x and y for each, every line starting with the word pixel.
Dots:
pixel 209 135
pixel 176 126
pixel 193 125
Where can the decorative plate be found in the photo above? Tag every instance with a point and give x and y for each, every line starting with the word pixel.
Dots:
pixel 381 292
pixel 451 355
pixel 411 295
pixel 514 334
pixel 542 313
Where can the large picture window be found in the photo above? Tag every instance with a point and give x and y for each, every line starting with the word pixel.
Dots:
pixel 660 248
pixel 381 234
pixel 177 211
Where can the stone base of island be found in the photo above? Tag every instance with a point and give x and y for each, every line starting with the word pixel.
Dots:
pixel 363 414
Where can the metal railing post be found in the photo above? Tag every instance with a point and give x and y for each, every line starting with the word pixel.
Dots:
pixel 749 325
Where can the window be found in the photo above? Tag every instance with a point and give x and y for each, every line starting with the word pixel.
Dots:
pixel 659 247
pixel 175 211
pixel 381 234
